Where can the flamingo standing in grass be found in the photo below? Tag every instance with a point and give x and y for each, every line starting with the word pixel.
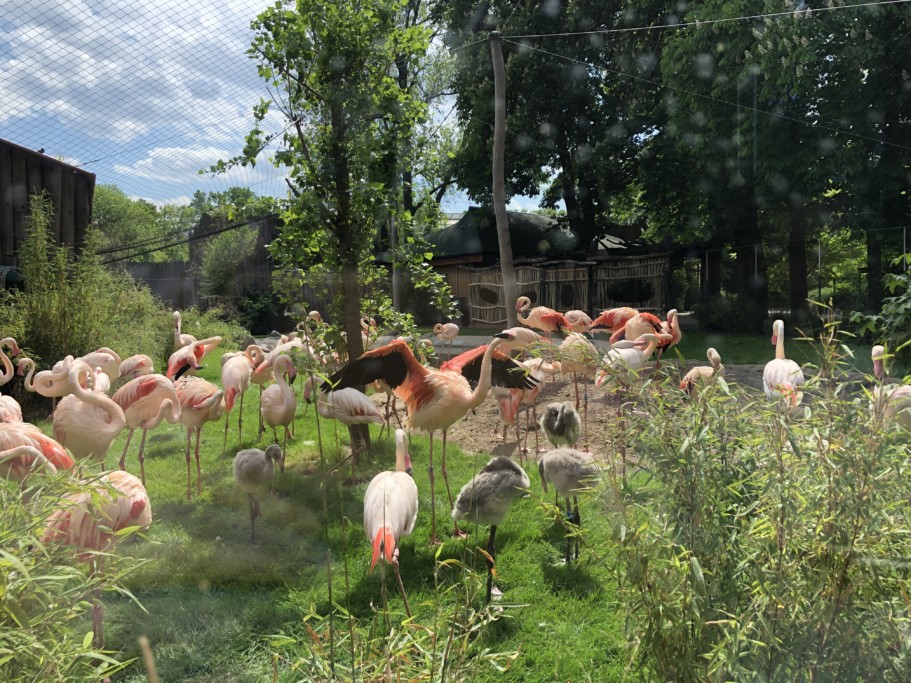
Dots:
pixel 180 340
pixel 89 521
pixel 540 317
pixel 348 406
pixel 570 471
pixel 187 359
pixel 261 376
pixel 236 374
pixel 87 422
pixel 782 377
pixel 24 447
pixel 436 399
pixel 252 469
pixel 487 498
pixel 145 402
pixel 702 375
pixel 391 510
pixel 200 402
pixel 10 410
pixel 277 403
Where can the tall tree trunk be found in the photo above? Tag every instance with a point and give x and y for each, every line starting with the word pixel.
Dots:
pixel 570 199
pixel 348 256
pixel 510 288
pixel 797 256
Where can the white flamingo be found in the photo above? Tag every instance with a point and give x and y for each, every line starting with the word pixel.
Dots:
pixel 391 510
pixel 782 377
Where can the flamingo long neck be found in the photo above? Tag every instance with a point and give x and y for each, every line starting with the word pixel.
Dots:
pixel 280 367
pixel 480 391
pixel 30 376
pixel 114 411
pixel 7 459
pixel 177 329
pixel 168 410
pixel 7 364
pixel 779 342
pixel 525 307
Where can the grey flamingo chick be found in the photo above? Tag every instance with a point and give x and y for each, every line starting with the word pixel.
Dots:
pixel 570 471
pixel 391 510
pixel 561 424
pixel 252 469
pixel 487 498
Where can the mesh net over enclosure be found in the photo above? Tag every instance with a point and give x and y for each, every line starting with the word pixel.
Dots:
pixel 142 94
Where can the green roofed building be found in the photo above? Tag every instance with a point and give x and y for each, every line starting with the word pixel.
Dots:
pixel 473 239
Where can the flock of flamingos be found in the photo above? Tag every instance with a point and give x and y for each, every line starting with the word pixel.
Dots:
pixel 86 420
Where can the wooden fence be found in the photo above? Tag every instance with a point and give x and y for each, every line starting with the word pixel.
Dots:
pixel 640 282
pixel 24 173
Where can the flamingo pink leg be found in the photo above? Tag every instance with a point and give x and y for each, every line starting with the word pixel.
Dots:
pixel 198 469
pixel 240 421
pixel 142 459
pixel 123 455
pixel 433 498
pixel 189 438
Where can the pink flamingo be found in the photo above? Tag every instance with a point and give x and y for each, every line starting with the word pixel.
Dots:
pixel 7 343
pixel 24 446
pixel 639 324
pixel 540 317
pixel 672 334
pixel 391 510
pixel 613 319
pixel 145 402
pixel 702 375
pixel 262 375
pixel 187 359
pixel 87 422
pixel 89 521
pixel 180 340
pixel 782 377
pixel 137 366
pixel 578 321
pixel 277 403
pixel 348 406
pixel 892 401
pixel 200 402
pixel 106 359
pixel 236 375
pixel 47 383
pixel 580 357
pixel 10 410
pixel 436 399
pixel 445 333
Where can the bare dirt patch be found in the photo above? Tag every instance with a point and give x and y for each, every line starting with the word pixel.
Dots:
pixel 474 434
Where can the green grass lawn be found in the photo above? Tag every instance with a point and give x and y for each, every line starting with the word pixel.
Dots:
pixel 212 603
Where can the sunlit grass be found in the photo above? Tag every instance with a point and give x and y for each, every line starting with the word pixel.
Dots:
pixel 212 599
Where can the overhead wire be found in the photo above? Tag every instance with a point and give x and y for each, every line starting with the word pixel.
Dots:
pixel 708 22
pixel 815 124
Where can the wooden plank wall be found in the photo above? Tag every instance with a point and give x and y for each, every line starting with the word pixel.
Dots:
pixel 23 173
pixel 567 285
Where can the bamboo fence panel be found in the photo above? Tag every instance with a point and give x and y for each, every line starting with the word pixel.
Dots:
pixel 650 270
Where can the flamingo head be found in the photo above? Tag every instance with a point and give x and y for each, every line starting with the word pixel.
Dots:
pixel 522 303
pixel 438 328
pixel 13 347
pixel 308 388
pixel 176 316
pixel 878 352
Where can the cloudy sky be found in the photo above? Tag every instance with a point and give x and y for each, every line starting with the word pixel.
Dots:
pixel 144 93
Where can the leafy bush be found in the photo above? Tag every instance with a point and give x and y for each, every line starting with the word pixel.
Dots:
pixel 257 310
pixel 45 595
pixel 890 326
pixel 74 305
pixel 223 255
pixel 758 547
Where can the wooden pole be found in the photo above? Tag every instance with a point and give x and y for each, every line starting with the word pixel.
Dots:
pixel 510 289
